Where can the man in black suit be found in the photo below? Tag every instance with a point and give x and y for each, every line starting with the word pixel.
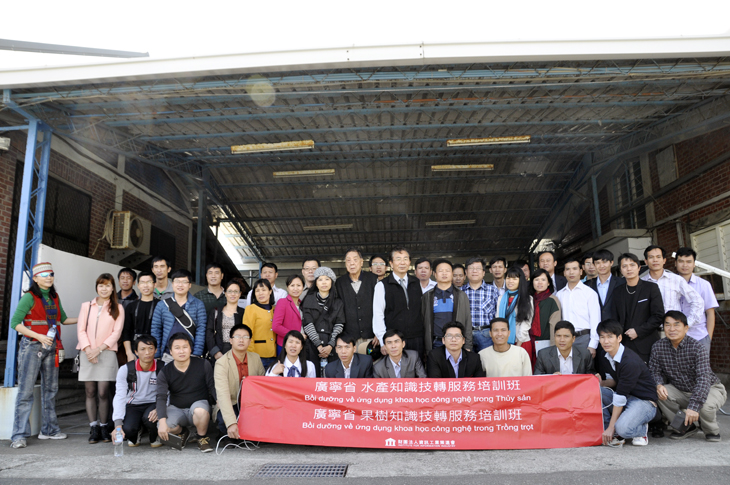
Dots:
pixel 563 358
pixel 638 306
pixel 452 361
pixel 546 260
pixel 356 292
pixel 605 283
pixel 350 365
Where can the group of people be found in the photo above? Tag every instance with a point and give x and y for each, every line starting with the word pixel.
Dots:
pixel 183 357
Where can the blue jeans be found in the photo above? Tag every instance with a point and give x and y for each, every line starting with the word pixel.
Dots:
pixel 222 424
pixel 29 365
pixel 634 420
pixel 481 339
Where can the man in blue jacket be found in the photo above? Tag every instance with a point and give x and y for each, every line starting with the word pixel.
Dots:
pixel 180 313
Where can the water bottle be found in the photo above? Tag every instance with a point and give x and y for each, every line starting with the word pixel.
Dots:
pixel 51 334
pixel 118 442
pixel 322 365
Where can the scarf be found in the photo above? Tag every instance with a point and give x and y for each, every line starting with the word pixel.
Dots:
pixel 536 329
pixel 509 311
pixel 323 302
pixel 262 305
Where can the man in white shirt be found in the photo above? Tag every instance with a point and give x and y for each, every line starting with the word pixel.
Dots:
pixel 672 286
pixel 580 306
pixel 350 364
pixel 703 330
pixel 270 272
pixel 423 273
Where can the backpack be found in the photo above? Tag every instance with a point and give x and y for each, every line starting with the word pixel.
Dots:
pixel 132 373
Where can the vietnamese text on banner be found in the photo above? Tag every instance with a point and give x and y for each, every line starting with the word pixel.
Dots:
pixel 459 414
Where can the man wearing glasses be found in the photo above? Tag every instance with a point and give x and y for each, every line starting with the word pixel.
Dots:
pixel 309 266
pixel 230 370
pixel 452 361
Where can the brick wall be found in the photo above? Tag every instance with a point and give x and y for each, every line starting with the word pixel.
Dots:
pixel 8 161
pixel 719 355
pixel 102 194
pixel 691 155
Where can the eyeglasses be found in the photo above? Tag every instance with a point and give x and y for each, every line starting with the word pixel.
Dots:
pixel 378 264
pixel 309 269
pixel 233 292
pixel 451 336
pixel 46 274
pixel 241 337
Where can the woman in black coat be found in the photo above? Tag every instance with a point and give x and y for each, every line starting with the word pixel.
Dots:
pixel 217 332
pixel 323 318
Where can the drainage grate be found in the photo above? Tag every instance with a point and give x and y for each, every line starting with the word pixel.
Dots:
pixel 324 471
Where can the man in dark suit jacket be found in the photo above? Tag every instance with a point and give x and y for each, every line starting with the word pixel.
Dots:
pixel 442 360
pixel 546 260
pixel 603 261
pixel 639 307
pixel 356 291
pixel 563 358
pixel 350 365
pixel 399 362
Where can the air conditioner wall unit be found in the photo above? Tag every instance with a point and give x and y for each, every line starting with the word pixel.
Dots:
pixel 129 231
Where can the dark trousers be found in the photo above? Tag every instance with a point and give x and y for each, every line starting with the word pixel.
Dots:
pixel 136 416
pixel 221 424
pixel 418 345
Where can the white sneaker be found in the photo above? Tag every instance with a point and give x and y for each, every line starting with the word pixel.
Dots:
pixel 616 443
pixel 640 441
pixel 57 436
pixel 18 444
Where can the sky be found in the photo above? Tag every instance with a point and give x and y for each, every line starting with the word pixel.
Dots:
pixel 183 29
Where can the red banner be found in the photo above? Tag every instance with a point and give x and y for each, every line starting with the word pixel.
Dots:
pixel 460 414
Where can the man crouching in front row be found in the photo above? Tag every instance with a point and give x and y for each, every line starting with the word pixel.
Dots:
pixel 191 386
pixel 628 391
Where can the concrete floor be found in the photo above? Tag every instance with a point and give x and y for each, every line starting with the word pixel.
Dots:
pixel 75 461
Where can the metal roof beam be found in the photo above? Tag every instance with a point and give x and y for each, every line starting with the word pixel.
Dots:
pixel 324 181
pixel 603 70
pixel 391 231
pixel 38 47
pixel 334 91
pixel 391 197
pixel 417 108
pixel 412 243
pixel 536 210
pixel 288 115
pixel 378 158
pixel 297 132
pixel 485 126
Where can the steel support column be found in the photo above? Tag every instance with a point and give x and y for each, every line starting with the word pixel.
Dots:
pixel 200 248
pixel 30 225
pixel 596 207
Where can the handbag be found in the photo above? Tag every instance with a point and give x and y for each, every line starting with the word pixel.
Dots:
pixel 77 360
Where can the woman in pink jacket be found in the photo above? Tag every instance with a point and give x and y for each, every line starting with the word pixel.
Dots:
pixel 100 324
pixel 287 316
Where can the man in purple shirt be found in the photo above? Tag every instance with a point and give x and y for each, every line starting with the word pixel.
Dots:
pixel 703 329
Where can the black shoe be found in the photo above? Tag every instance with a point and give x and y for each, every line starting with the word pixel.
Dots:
pixel 184 435
pixel 94 435
pixel 106 436
pixel 713 438
pixel 684 434
pixel 657 430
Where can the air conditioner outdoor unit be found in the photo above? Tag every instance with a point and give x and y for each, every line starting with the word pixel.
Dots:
pixel 129 231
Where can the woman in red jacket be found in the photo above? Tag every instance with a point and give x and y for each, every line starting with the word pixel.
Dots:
pixel 287 315
pixel 37 319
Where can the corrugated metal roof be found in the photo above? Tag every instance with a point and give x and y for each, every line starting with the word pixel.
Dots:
pixel 381 130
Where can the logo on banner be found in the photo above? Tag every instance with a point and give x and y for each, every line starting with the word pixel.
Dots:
pixel 390 442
